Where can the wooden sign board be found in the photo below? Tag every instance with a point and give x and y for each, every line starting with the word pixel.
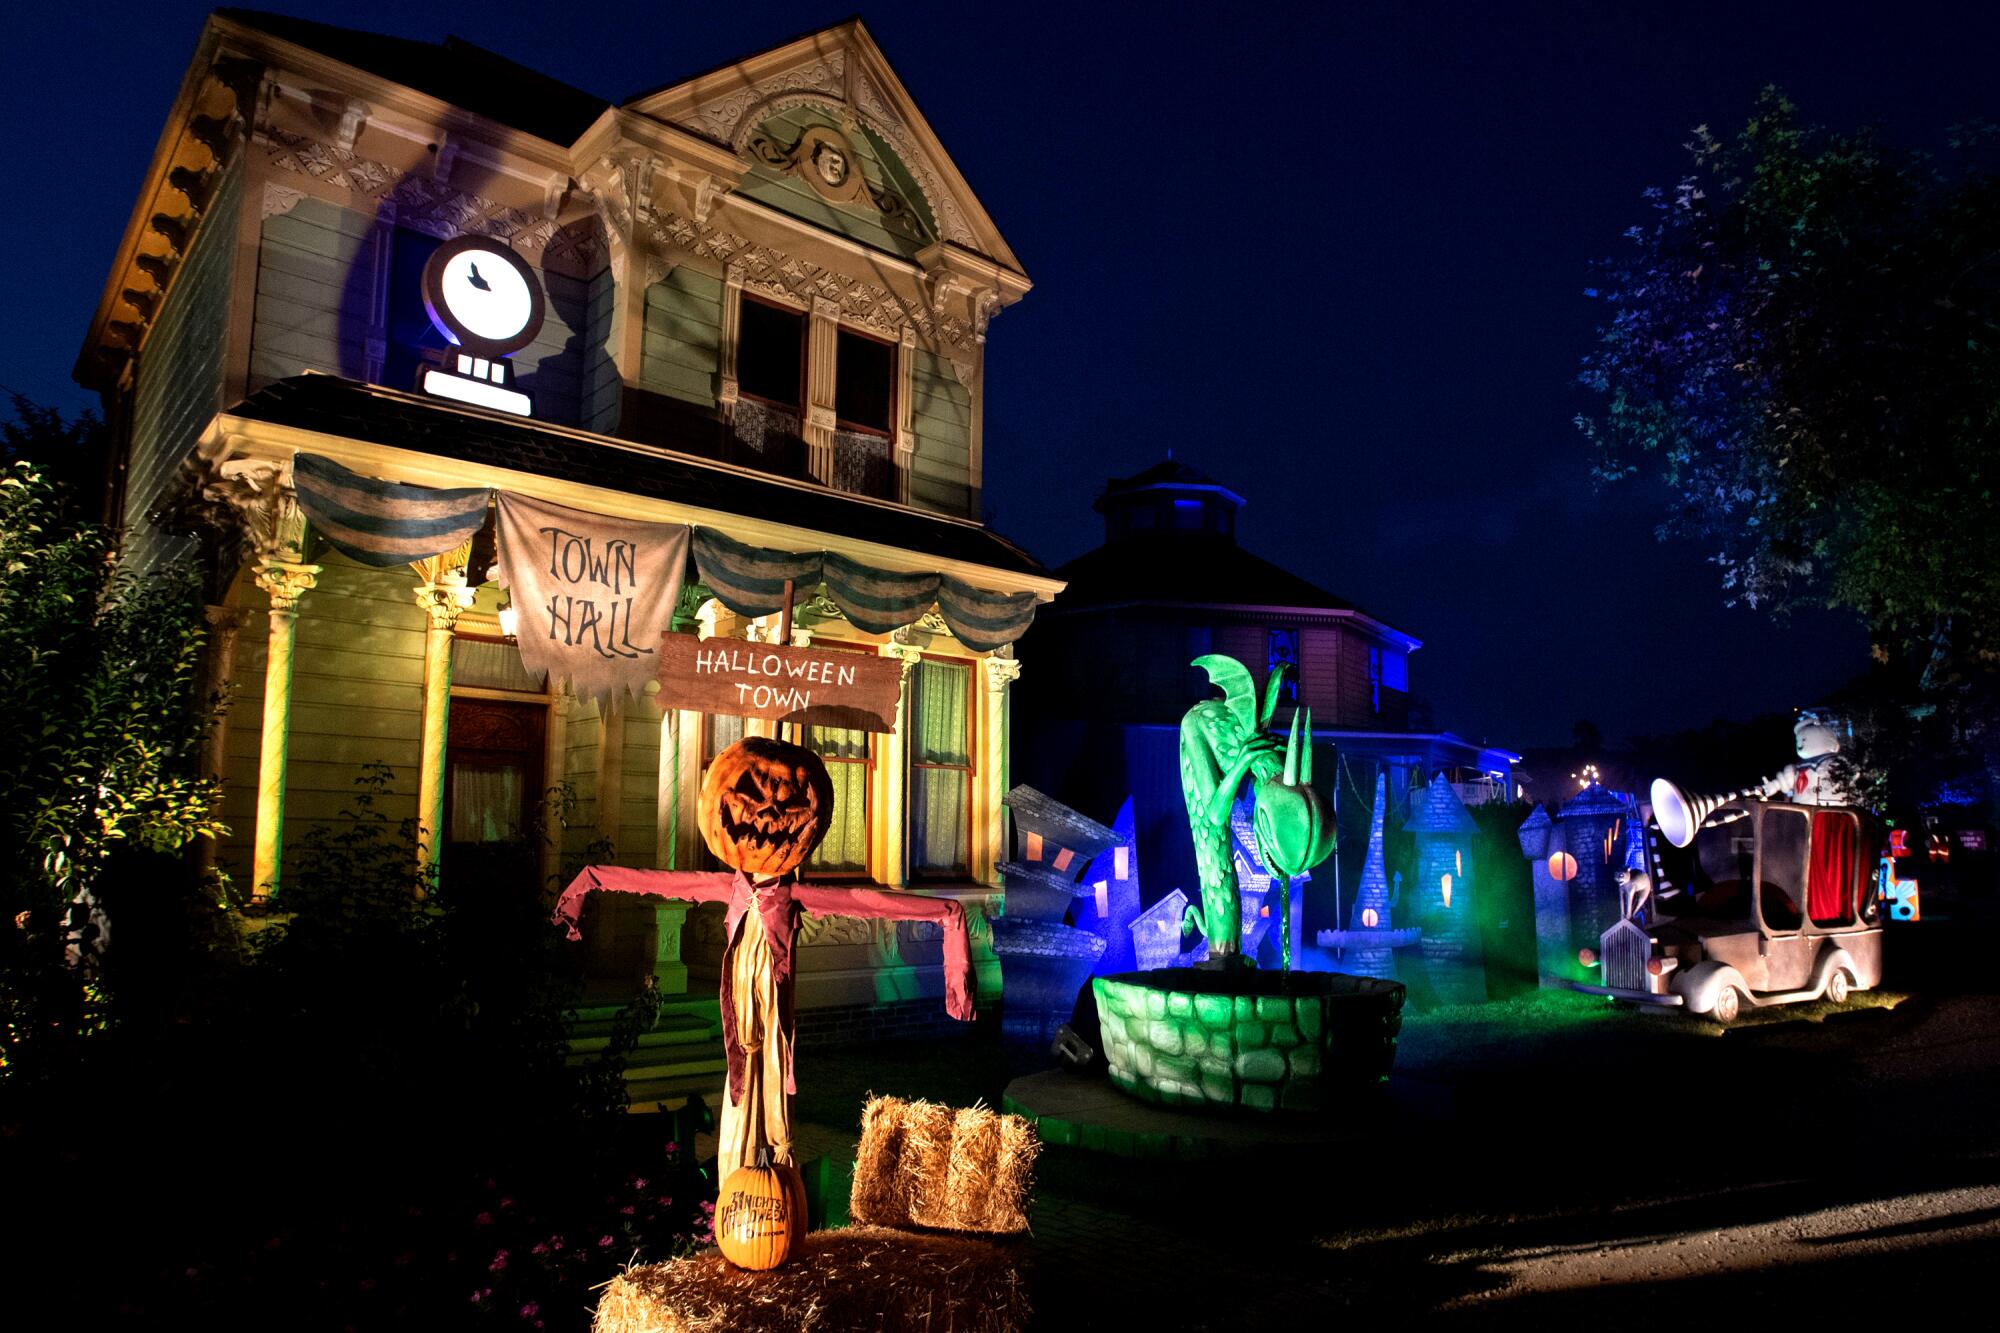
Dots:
pixel 816 687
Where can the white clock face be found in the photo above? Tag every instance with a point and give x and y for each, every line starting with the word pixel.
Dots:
pixel 486 293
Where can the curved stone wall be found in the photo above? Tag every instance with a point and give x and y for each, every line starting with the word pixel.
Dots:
pixel 1179 1036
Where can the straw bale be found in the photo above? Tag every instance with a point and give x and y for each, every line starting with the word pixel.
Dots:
pixel 856 1277
pixel 930 1166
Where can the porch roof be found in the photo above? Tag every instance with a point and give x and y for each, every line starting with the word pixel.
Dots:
pixel 697 489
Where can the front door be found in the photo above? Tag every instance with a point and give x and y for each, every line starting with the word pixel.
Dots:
pixel 493 772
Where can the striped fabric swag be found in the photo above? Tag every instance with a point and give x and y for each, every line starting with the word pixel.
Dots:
pixel 983 620
pixel 384 523
pixel 750 580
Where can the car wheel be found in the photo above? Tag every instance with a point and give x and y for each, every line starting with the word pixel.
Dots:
pixel 1727 1005
pixel 1836 987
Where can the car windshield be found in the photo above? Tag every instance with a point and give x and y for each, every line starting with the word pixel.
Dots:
pixel 1720 866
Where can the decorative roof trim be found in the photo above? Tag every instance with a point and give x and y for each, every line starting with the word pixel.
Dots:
pixel 842 67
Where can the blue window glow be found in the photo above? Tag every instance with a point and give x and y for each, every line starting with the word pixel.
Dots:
pixel 1284 651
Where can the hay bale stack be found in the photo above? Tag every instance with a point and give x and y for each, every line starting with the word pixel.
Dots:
pixel 931 1166
pixel 857 1277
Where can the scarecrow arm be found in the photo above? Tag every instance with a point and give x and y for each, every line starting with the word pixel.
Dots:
pixel 827 901
pixel 694 886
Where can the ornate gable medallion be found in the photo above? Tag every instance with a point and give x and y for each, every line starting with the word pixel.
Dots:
pixel 826 159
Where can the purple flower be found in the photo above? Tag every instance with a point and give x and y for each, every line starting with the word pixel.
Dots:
pixel 499 1264
pixel 483 1220
pixel 603 1242
pixel 628 1210
pixel 530 1310
pixel 540 1248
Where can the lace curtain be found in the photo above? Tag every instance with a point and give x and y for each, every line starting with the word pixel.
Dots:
pixel 941 763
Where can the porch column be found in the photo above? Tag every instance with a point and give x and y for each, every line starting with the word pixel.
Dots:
pixel 218 670
pixel 442 597
pixel 822 353
pixel 285 581
pixel 997 729
pixel 906 412
pixel 895 828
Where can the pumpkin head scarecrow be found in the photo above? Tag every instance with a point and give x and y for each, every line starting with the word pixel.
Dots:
pixel 764 807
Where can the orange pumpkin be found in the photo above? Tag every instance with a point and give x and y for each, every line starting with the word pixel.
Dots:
pixel 760 1219
pixel 764 806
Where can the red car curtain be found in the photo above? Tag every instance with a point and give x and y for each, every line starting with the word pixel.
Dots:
pixel 1828 900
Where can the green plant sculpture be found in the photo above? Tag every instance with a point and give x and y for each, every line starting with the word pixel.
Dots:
pixel 1224 741
pixel 1295 825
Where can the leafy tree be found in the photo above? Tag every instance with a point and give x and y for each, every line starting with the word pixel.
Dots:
pixel 98 667
pixel 1801 343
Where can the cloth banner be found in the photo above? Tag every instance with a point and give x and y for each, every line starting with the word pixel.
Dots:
pixel 983 620
pixel 384 523
pixel 750 580
pixel 594 593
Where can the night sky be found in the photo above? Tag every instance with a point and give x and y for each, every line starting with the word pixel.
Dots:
pixel 1334 256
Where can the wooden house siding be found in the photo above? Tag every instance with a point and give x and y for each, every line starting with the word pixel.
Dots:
pixel 1356 703
pixel 602 387
pixel 551 368
pixel 315 267
pixel 316 309
pixel 941 417
pixel 579 770
pixel 357 698
pixel 1319 675
pixel 680 348
pixel 180 376
pixel 860 222
pixel 638 824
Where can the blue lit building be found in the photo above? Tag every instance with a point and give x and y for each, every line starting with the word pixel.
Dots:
pixel 1098 716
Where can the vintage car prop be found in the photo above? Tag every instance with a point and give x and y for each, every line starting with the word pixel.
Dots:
pixel 1766 902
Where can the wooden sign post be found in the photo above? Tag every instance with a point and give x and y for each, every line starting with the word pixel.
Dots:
pixel 814 687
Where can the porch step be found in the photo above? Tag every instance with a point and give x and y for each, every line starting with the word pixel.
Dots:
pixel 681 1055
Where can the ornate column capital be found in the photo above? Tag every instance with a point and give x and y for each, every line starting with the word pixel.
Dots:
pixel 906 653
pixel 443 603
pixel 286 582
pixel 256 495
pixel 1001 672
pixel 224 619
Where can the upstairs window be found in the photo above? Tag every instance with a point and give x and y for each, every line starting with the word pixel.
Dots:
pixel 771 354
pixel 864 383
pixel 1375 680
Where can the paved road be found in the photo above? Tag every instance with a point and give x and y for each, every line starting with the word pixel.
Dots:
pixel 1868 1236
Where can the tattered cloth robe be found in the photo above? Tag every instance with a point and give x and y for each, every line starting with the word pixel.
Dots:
pixel 756 1041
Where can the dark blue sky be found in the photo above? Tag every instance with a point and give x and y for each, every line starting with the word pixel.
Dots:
pixel 1332 254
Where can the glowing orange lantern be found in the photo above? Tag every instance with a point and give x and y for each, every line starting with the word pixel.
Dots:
pixel 1562 867
pixel 1370 918
pixel 1447 888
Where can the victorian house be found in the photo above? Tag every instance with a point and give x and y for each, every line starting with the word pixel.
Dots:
pixel 765 292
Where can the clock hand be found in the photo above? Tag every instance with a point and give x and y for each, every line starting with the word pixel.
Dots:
pixel 478 281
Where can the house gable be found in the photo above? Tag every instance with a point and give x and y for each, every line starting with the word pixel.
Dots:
pixel 842 73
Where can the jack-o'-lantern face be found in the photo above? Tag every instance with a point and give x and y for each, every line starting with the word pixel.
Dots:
pixel 765 805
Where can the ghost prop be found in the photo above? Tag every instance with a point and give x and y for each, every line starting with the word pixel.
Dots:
pixel 1812 779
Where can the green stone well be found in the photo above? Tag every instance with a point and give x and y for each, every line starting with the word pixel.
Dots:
pixel 1267 1041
